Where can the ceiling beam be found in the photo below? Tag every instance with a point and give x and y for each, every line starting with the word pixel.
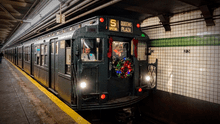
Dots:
pixel 165 21
pixel 192 2
pixel 5 22
pixel 4 30
pixel 13 14
pixel 208 15
pixel 10 20
pixel 4 26
pixel 15 3
pixel 138 9
pixel 1 6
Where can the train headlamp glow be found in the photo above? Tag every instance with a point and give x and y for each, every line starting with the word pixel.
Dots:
pixel 83 85
pixel 148 78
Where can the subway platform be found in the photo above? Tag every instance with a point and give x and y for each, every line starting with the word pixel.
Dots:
pixel 21 102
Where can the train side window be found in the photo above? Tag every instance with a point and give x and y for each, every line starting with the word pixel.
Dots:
pixel 38 55
pixel 26 53
pixel 141 47
pixel 35 57
pixel 57 47
pixel 91 49
pixel 68 57
pixel 19 53
pixel 45 49
pixel 42 55
pixel 52 47
pixel 45 53
pixel 29 54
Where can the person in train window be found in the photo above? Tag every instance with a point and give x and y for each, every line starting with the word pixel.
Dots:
pixel 87 56
pixel 118 51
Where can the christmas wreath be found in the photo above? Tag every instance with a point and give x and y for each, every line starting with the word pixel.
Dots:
pixel 124 68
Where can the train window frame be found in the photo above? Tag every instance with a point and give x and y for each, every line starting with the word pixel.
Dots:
pixel 143 52
pixel 101 42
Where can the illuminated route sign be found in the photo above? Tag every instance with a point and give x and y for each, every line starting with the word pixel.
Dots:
pixel 126 27
pixel 113 25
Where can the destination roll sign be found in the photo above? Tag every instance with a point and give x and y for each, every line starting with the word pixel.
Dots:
pixel 125 26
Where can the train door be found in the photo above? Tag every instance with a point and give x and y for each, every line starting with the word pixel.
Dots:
pixel 32 59
pixel 15 55
pixel 53 65
pixel 120 84
pixel 22 60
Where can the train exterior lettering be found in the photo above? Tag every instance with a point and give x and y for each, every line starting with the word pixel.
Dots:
pixel 126 27
pixel 113 25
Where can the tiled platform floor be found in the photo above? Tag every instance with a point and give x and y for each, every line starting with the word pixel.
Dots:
pixel 22 103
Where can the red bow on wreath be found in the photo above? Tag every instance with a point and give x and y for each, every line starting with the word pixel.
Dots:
pixel 110 48
pixel 135 42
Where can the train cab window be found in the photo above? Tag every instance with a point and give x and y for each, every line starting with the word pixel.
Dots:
pixel 119 50
pixel 141 47
pixel 91 49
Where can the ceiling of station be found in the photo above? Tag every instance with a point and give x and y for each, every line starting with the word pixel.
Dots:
pixel 13 11
pixel 142 9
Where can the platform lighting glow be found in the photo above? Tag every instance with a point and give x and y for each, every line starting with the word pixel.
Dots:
pixel 83 85
pixel 147 78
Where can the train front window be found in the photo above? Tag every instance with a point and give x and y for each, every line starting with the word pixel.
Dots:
pixel 119 50
pixel 91 49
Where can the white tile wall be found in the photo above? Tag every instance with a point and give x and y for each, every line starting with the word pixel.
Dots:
pixel 195 74
pixel 190 74
pixel 190 29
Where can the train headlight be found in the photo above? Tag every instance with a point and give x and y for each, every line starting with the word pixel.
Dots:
pixel 83 85
pixel 148 78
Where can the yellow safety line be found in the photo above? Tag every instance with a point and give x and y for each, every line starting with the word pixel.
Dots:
pixel 75 116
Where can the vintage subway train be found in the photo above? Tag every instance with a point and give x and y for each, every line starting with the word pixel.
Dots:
pixel 98 63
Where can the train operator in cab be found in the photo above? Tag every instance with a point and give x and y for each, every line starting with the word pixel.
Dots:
pixel 87 56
